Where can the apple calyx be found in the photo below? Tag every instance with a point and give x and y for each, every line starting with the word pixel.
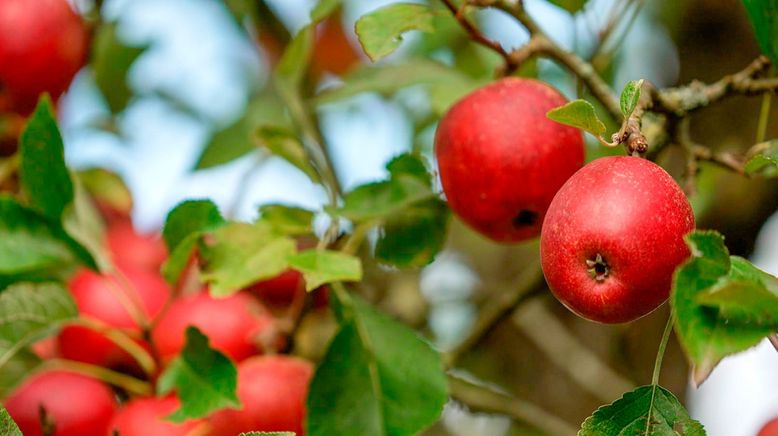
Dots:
pixel 598 268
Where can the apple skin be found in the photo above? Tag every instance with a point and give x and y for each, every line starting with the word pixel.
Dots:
pixel 501 160
pixel 95 299
pixel 234 325
pixel 131 249
pixel 42 45
pixel 145 416
pixel 272 390
pixel 635 216
pixel 78 405
pixel 770 428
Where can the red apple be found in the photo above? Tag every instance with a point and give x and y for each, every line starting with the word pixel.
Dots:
pixel 501 160
pixel 272 390
pixel 235 325
pixel 146 416
pixel 770 428
pixel 96 298
pixel 613 237
pixel 134 250
pixel 42 45
pixel 75 404
pixel 333 52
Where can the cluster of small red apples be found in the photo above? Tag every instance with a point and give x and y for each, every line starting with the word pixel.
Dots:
pixel 271 387
pixel 43 44
pixel 611 231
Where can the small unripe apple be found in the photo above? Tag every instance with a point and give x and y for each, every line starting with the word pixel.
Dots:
pixel 97 297
pixel 130 249
pixel 74 404
pixel 235 325
pixel 145 416
pixel 612 238
pixel 501 160
pixel 42 46
pixel 272 390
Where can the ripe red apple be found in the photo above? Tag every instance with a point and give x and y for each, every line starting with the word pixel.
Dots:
pixel 333 52
pixel 134 250
pixel 146 416
pixel 235 325
pixel 613 237
pixel 75 404
pixel 501 160
pixel 272 390
pixel 42 45
pixel 96 298
pixel 770 428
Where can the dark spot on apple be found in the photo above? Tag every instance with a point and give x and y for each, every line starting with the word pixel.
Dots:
pixel 525 218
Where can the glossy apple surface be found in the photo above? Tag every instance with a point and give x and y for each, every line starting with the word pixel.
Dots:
pixel 501 160
pixel 613 237
pixel 43 44
pixel 234 325
pixel 272 390
pixel 103 298
pixel 146 416
pixel 75 404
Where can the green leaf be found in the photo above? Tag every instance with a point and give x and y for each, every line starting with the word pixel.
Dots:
pixel 630 96
pixel 380 32
pixel 648 410
pixel 239 138
pixel 14 371
pixel 381 199
pixel 414 236
pixel 579 114
pixel 411 165
pixel 284 143
pixel 239 254
pixel 29 242
pixel 31 311
pixel 288 220
pixel 107 188
pixel 183 227
pixel 766 162
pixel 205 379
pixel 571 6
pixel 111 62
pixel 324 8
pixel 378 377
pixel 324 266
pixel 294 62
pixel 388 79
pixel 44 175
pixel 705 333
pixel 7 425
pixel 764 18
pixel 190 216
pixel 745 296
pixel 83 222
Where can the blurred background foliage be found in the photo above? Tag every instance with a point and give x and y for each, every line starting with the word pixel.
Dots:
pixel 177 89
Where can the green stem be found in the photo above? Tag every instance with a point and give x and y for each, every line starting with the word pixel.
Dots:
pixel 358 237
pixel 764 116
pixel 123 341
pixel 126 382
pixel 660 354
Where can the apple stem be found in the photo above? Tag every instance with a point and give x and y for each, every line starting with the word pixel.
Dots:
pixel 660 354
pixel 123 341
pixel 124 381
